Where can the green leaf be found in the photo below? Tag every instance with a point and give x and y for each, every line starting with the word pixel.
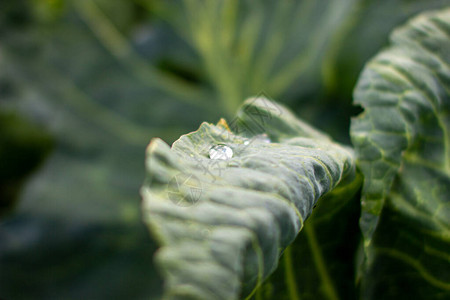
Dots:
pixel 223 224
pixel 246 47
pixel 320 263
pixel 76 230
pixel 402 143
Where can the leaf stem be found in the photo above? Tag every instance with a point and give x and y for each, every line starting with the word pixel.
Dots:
pixel 289 273
pixel 319 261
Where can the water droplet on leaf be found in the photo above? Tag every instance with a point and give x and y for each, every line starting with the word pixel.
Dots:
pixel 222 152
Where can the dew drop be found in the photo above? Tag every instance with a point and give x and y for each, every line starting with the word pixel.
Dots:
pixel 222 152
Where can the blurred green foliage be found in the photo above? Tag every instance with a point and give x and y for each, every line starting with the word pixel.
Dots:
pixel 97 79
pixel 23 147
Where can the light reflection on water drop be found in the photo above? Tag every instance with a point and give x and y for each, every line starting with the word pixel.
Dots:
pixel 222 152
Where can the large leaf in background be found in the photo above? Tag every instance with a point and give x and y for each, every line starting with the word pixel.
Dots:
pixel 245 47
pixel 403 147
pixel 223 223
pixel 77 230
pixel 308 53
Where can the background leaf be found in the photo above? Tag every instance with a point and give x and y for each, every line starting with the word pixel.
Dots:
pixel 248 208
pixel 402 142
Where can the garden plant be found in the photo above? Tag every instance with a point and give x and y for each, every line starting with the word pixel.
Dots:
pixel 321 170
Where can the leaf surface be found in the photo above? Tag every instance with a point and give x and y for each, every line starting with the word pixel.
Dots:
pixel 235 217
pixel 402 143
